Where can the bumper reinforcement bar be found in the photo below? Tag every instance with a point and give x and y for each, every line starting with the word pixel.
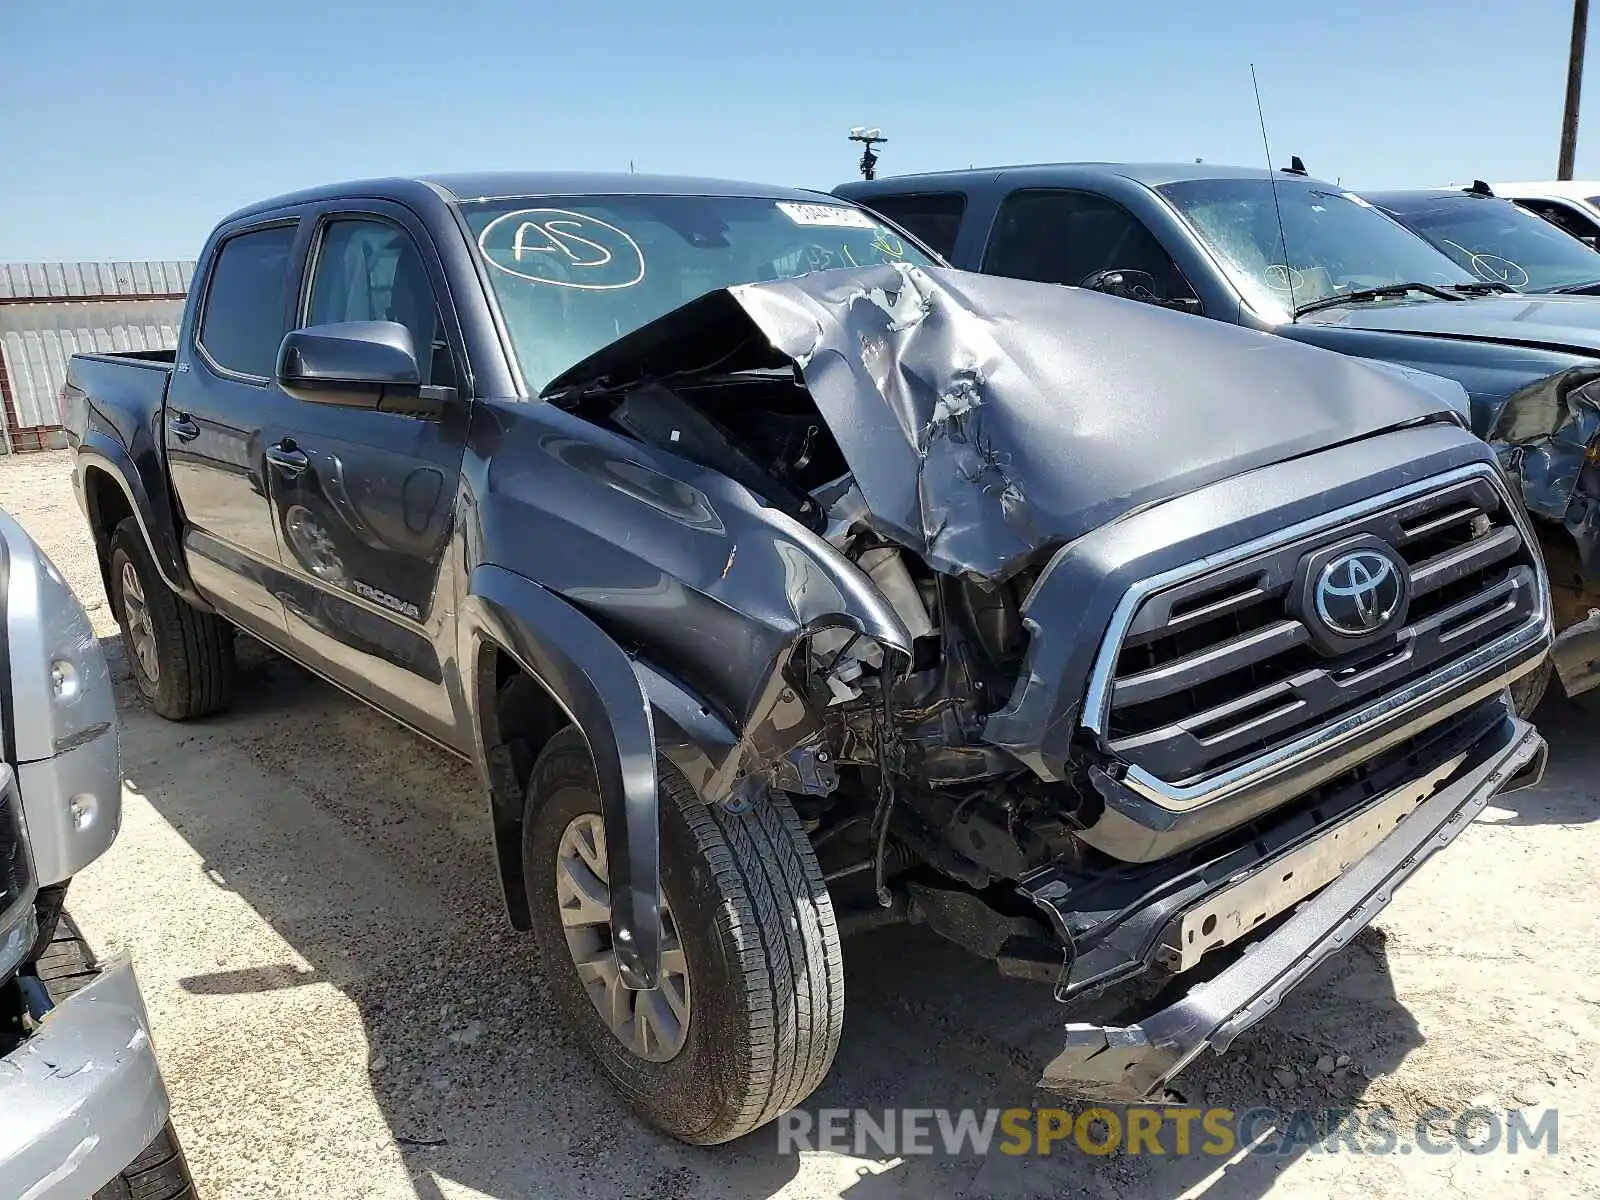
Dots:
pixel 1131 1063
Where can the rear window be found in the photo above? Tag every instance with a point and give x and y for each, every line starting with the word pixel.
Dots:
pixel 244 318
pixel 934 217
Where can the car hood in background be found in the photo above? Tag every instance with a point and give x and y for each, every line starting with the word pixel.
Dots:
pixel 1566 322
pixel 984 417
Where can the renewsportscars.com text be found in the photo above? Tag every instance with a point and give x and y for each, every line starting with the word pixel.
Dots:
pixel 1214 1132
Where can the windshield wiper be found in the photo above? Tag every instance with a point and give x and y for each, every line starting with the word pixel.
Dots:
pixel 1386 292
pixel 1487 287
pixel 1592 288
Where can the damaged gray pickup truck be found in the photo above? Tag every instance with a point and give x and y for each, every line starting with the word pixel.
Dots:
pixel 780 580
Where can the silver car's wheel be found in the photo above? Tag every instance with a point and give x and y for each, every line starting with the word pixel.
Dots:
pixel 652 1025
pixel 141 632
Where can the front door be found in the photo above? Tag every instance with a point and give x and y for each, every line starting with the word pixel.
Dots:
pixel 221 399
pixel 365 500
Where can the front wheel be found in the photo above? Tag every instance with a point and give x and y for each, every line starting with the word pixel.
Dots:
pixel 748 1014
pixel 1528 692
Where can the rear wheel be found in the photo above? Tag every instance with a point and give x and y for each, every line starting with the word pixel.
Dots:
pixel 181 658
pixel 748 1016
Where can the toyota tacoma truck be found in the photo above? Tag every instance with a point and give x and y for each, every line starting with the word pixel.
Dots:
pixel 781 581
pixel 83 1110
pixel 1307 260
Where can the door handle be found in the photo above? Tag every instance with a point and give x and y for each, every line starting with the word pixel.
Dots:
pixel 287 457
pixel 182 427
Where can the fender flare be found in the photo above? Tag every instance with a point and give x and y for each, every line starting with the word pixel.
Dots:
pixel 99 452
pixel 594 682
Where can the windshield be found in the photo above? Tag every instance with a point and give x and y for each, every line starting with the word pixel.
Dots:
pixel 573 274
pixel 1501 243
pixel 1337 242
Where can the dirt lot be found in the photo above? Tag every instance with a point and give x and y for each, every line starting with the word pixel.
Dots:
pixel 341 1012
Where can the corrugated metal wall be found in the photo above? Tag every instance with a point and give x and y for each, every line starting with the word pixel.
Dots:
pixel 37 340
pixel 66 280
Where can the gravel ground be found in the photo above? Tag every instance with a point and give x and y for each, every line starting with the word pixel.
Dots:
pixel 341 1011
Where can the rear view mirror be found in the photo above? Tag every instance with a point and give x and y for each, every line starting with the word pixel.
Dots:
pixel 357 364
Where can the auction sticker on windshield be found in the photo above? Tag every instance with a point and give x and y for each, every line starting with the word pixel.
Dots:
pixel 562 248
pixel 831 216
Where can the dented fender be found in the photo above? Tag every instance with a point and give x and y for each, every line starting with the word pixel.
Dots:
pixel 594 682
pixel 1545 436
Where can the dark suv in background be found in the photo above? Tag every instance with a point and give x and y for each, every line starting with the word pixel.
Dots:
pixel 1498 241
pixel 1305 259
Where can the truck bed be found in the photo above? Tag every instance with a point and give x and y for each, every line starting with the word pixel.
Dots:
pixel 119 392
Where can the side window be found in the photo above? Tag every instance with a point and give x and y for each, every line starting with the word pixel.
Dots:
pixel 243 320
pixel 370 270
pixel 1065 237
pixel 1563 216
pixel 935 217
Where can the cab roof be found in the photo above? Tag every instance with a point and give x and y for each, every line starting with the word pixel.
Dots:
pixel 488 185
pixel 1150 174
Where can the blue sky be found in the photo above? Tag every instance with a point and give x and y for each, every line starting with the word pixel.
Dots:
pixel 126 130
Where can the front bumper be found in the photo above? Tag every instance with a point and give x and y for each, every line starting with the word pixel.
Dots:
pixel 83 1097
pixel 1127 1064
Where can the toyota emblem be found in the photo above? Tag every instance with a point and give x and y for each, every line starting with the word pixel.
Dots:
pixel 1359 593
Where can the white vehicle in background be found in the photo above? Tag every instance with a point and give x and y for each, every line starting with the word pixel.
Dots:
pixel 83 1110
pixel 1573 204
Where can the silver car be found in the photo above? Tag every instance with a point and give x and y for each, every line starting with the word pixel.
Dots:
pixel 83 1109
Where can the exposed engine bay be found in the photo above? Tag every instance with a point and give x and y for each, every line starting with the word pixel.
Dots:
pixel 894 776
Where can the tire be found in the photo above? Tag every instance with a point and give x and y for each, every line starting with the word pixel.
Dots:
pixel 193 650
pixel 753 916
pixel 47 913
pixel 160 1172
pixel 1528 692
pixel 66 965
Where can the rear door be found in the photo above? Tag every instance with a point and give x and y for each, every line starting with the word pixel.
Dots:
pixel 364 501
pixel 221 398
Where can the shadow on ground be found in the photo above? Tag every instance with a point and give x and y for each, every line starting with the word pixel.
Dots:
pixel 1567 795
pixel 366 850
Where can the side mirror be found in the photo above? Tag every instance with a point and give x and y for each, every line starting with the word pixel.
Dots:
pixel 1130 285
pixel 1136 285
pixel 357 364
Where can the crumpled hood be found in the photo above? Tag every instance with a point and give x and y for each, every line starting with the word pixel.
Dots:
pixel 1569 323
pixel 984 417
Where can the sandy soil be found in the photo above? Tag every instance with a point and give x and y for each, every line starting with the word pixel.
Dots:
pixel 341 1011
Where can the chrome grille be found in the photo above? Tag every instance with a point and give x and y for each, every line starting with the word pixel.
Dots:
pixel 1217 669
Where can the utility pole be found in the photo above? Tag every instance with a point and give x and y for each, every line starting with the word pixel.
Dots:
pixel 1569 122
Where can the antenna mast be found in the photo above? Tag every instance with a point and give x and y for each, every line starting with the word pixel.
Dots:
pixel 1272 178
